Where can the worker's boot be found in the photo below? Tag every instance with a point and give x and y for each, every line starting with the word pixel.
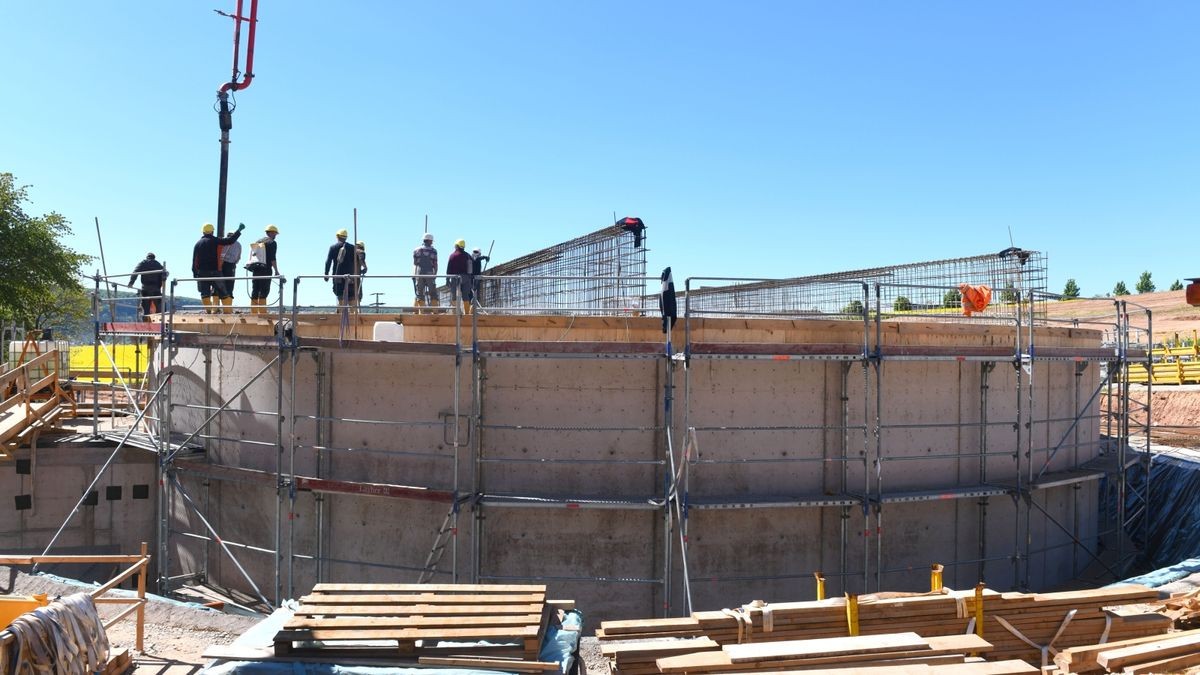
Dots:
pixel 208 304
pixel 434 302
pixel 419 303
pixel 466 306
pixel 227 307
pixel 254 303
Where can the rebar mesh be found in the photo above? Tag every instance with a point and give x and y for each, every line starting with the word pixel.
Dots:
pixel 598 273
pixel 913 288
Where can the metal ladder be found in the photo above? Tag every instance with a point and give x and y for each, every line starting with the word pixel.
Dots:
pixel 440 543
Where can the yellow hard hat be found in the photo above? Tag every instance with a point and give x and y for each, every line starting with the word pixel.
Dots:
pixel 343 233
pixel 207 229
pixel 361 245
pixel 272 228
pixel 461 243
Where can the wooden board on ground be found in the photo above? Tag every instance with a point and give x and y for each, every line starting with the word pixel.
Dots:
pixel 415 619
pixel 798 649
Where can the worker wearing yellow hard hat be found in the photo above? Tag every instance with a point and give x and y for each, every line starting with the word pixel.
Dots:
pixel 263 263
pixel 458 268
pixel 206 268
pixel 340 264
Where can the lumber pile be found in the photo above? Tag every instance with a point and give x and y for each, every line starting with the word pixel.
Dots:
pixel 1170 653
pixel 1027 626
pixel 889 652
pixel 394 622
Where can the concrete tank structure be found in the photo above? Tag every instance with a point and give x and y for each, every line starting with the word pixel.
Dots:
pixel 638 475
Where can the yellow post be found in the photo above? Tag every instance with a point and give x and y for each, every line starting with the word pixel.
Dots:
pixel 935 578
pixel 852 614
pixel 820 585
pixel 979 609
pixel 141 591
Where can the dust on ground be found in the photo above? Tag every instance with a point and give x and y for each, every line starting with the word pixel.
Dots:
pixel 175 635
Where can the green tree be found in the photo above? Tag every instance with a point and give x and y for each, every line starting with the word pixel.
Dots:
pixel 1071 290
pixel 854 307
pixel 952 298
pixel 1120 289
pixel 1176 286
pixel 35 265
pixel 1144 285
pixel 902 304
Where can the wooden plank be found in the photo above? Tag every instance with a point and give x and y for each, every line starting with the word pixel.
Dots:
pixel 1170 665
pixel 429 588
pixel 119 661
pixel 516 633
pixel 712 662
pixel 1006 667
pixel 357 622
pixel 658 648
pixel 1158 649
pixel 1077 659
pixel 428 599
pixel 633 627
pixel 795 649
pixel 415 610
pixel 512 665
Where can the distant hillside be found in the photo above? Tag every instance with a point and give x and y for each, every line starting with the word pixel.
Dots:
pixel 113 306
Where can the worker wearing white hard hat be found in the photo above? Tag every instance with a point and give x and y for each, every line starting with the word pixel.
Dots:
pixel 425 269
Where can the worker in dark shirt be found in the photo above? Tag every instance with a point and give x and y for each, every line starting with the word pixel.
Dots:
pixel 152 274
pixel 340 263
pixel 458 272
pixel 477 260
pixel 263 264
pixel 206 265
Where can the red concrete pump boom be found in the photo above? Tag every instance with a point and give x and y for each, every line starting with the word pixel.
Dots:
pixel 224 108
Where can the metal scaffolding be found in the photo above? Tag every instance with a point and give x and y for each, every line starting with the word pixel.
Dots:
pixel 911 289
pixel 599 272
pixel 851 453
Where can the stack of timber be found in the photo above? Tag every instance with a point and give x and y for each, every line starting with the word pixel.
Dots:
pixel 899 652
pixel 1170 653
pixel 410 622
pixel 1031 627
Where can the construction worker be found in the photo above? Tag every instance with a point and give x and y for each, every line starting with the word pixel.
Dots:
pixel 425 262
pixel 206 265
pixel 340 262
pixel 262 264
pixel 459 266
pixel 477 260
pixel 360 251
pixel 231 254
pixel 153 274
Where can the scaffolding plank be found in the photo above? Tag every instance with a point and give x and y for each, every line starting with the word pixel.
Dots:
pixel 422 598
pixel 446 589
pixel 775 349
pixel 579 347
pixel 318 606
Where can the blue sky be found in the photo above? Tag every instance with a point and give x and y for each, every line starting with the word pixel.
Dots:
pixel 754 139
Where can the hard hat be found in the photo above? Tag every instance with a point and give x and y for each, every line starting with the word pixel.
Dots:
pixel 361 245
pixel 272 228
pixel 343 233
pixel 427 237
pixel 461 243
pixel 207 229
pixel 475 250
pixel 150 256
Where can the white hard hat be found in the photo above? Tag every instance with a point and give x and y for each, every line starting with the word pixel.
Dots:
pixel 427 237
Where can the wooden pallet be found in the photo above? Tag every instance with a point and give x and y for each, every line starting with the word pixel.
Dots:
pixel 358 620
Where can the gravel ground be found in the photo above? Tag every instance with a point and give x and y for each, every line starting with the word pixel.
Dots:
pixel 175 634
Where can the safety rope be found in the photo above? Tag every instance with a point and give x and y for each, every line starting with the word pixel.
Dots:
pixel 67 636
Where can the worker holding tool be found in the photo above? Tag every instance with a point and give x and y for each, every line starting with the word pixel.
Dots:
pixel 477 260
pixel 459 266
pixel 262 264
pixel 231 254
pixel 360 251
pixel 206 265
pixel 340 262
pixel 152 273
pixel 425 267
